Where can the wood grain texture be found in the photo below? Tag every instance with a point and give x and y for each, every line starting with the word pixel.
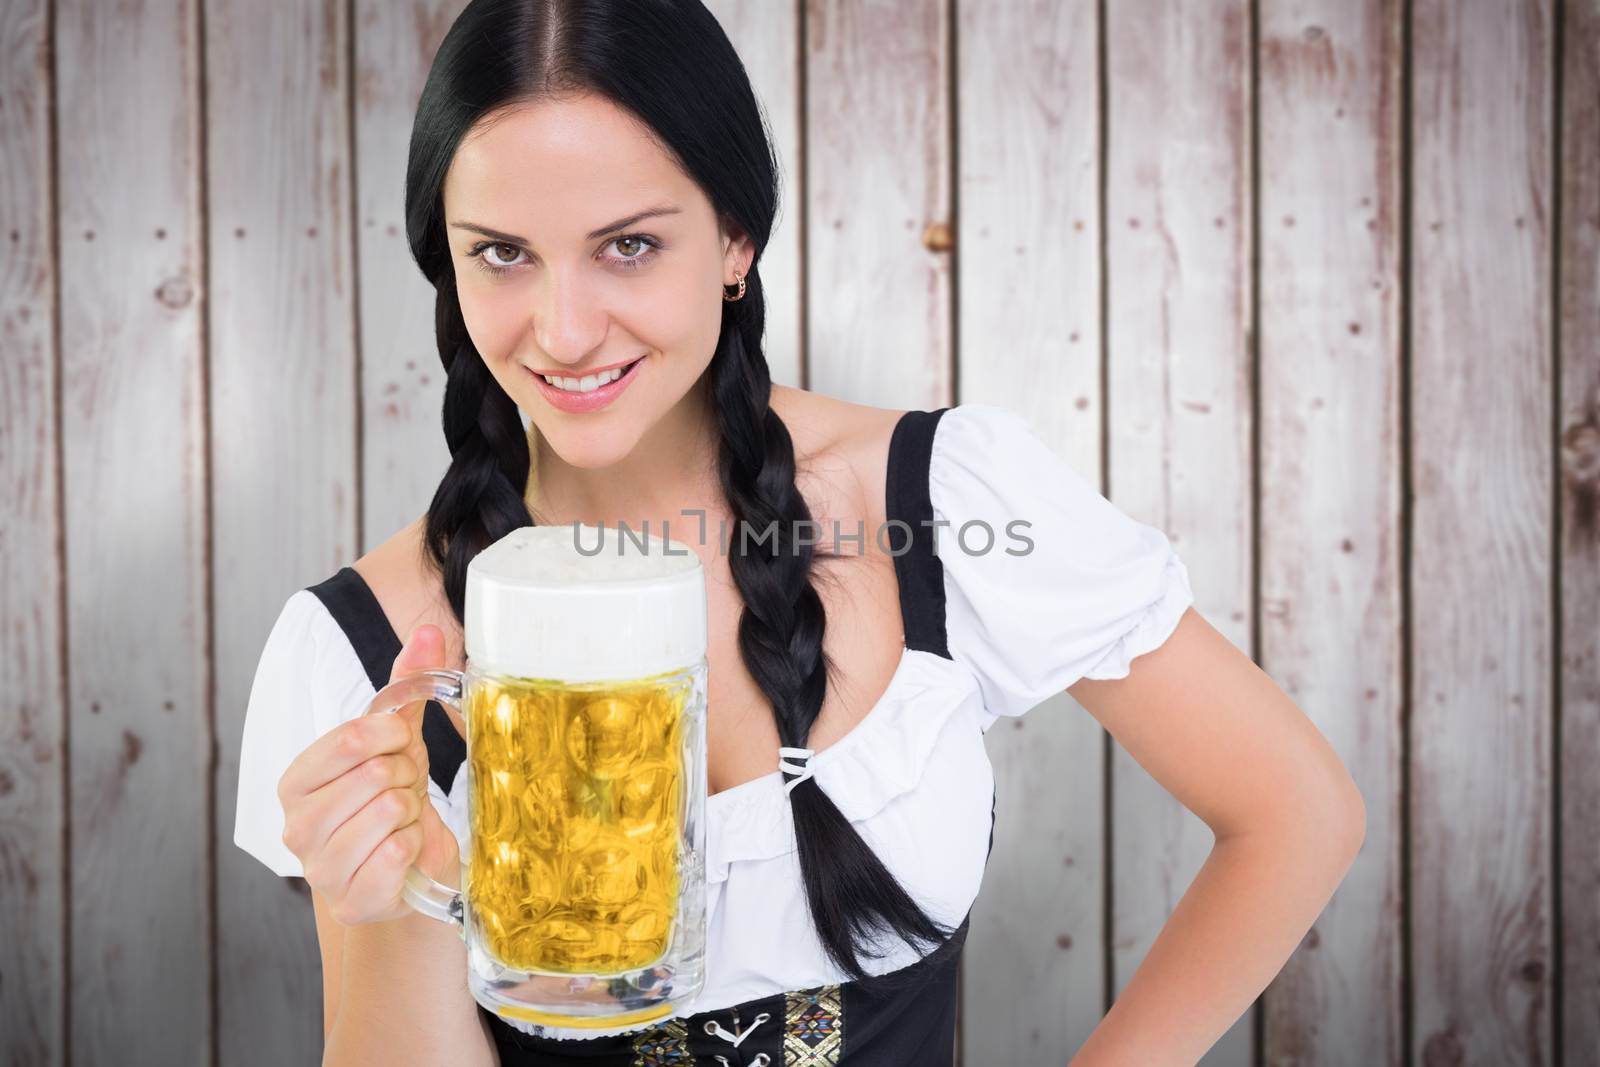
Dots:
pixel 133 432
pixel 1481 432
pixel 1329 498
pixel 1578 590
pixel 33 726
pixel 1028 110
pixel 283 399
pixel 403 450
pixel 767 37
pixel 404 454
pixel 1178 218
pixel 878 193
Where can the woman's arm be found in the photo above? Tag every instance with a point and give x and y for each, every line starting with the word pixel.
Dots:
pixel 330 942
pixel 403 999
pixel 1215 731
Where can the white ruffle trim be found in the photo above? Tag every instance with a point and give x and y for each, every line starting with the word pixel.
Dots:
pixel 883 757
pixel 1155 624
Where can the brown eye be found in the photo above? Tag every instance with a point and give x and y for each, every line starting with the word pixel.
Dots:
pixel 635 249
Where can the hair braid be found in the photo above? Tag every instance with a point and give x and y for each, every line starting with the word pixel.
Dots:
pixel 852 895
pixel 480 499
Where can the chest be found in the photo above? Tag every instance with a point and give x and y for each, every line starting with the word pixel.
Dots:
pixel 863 639
pixel 862 644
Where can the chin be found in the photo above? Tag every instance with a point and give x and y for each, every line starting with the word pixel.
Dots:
pixel 589 451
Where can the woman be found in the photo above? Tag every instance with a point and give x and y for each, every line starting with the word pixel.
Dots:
pixel 589 190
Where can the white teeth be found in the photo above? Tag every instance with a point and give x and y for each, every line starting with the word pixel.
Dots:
pixel 588 383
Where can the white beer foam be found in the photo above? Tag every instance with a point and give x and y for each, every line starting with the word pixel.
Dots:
pixel 611 604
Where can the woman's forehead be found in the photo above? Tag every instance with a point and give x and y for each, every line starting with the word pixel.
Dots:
pixel 562 168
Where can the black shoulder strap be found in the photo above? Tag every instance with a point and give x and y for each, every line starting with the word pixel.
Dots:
pixel 910 516
pixel 353 606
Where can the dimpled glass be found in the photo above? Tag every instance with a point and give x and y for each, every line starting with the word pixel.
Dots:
pixel 577 805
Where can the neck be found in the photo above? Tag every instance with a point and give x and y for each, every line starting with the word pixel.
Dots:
pixel 673 467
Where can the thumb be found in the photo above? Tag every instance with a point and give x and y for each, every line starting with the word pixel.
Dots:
pixel 423 650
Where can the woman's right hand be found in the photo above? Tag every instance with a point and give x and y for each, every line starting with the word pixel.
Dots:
pixel 355 805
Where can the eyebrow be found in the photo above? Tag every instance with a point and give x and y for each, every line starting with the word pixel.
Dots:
pixel 611 227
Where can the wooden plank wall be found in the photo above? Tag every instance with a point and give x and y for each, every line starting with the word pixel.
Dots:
pixel 1482 479
pixel 1575 224
pixel 1313 285
pixel 1329 387
pixel 1178 415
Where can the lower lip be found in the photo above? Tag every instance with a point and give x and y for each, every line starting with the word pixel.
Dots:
pixel 594 399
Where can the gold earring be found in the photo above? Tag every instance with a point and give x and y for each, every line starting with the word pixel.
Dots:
pixel 739 278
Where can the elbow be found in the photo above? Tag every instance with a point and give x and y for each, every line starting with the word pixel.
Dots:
pixel 1344 821
pixel 1327 822
pixel 1335 813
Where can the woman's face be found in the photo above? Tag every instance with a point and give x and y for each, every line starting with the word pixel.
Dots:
pixel 549 284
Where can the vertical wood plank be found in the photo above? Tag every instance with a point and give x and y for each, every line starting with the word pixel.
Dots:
pixel 403 451
pixel 878 156
pixel 1028 132
pixel 283 401
pixel 1481 567
pixel 766 36
pixel 133 433
pixel 33 814
pixel 1579 573
pixel 1331 575
pixel 1178 222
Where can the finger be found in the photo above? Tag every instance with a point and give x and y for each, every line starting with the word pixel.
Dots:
pixel 440 857
pixel 352 843
pixel 375 887
pixel 324 810
pixel 352 743
pixel 345 746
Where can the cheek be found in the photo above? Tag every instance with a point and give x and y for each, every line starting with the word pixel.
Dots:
pixel 680 313
pixel 491 323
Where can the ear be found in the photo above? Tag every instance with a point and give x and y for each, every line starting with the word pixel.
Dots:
pixel 738 253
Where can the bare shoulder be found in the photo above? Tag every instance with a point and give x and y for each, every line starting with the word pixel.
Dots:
pixel 408 588
pixel 841 444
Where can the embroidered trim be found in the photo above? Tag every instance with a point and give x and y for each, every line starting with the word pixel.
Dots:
pixel 666 1045
pixel 813 1032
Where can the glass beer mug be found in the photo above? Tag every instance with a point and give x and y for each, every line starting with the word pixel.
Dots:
pixel 583 893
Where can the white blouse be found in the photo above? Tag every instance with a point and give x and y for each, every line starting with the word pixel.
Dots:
pixel 1071 588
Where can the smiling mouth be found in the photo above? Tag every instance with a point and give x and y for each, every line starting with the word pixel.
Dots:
pixel 589 383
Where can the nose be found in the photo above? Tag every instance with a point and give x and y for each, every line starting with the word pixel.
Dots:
pixel 569 316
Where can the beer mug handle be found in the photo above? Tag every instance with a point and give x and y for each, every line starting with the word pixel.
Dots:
pixel 433 899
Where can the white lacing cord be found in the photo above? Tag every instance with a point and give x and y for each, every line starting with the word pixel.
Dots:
pixel 761 1060
pixel 715 1029
pixel 802 769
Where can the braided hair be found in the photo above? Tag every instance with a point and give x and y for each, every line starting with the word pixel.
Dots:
pixel 693 94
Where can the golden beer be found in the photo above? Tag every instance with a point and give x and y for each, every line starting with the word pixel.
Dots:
pixel 576 797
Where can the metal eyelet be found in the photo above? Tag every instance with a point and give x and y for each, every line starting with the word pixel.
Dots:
pixel 711 1027
pixel 761 1060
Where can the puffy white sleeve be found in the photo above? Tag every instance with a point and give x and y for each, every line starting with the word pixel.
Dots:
pixel 286 712
pixel 1070 588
